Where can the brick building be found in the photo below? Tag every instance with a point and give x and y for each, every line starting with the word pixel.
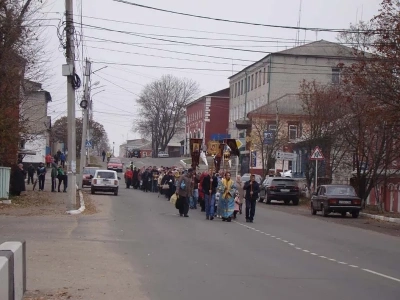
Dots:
pixel 208 117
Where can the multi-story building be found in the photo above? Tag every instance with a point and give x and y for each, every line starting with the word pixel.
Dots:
pixel 281 73
pixel 208 117
pixel 33 113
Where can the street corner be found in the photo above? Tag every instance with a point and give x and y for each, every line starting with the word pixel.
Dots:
pixel 36 203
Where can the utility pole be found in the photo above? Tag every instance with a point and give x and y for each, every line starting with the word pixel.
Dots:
pixel 70 73
pixel 85 118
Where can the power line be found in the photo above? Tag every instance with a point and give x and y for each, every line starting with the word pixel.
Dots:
pixel 167 57
pixel 172 51
pixel 233 21
pixel 116 84
pixel 161 67
pixel 190 30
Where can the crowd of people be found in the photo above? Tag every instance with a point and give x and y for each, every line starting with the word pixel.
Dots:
pixel 216 193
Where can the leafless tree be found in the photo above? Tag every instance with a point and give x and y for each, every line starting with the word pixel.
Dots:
pixel 163 108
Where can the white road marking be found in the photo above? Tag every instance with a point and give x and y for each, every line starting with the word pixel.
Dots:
pixel 382 275
pixel 321 256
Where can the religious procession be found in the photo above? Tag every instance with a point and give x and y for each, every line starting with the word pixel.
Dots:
pixel 213 190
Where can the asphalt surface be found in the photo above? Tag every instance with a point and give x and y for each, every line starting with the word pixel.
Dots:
pixel 280 256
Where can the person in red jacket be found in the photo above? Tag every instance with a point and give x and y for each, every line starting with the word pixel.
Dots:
pixel 128 177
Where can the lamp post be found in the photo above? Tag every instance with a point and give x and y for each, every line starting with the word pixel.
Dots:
pixel 113 147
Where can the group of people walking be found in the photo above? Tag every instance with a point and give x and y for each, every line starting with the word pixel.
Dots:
pixel 217 193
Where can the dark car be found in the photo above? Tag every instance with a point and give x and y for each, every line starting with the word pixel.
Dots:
pixel 88 174
pixel 281 189
pixel 336 199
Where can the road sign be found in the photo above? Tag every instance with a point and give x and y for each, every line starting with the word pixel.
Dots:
pixel 285 155
pixel 88 144
pixel 317 154
pixel 269 137
pixel 239 143
pixel 253 159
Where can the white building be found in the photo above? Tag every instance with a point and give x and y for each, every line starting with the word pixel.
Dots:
pixel 281 73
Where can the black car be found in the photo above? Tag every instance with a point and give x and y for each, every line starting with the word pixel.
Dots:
pixel 336 199
pixel 281 189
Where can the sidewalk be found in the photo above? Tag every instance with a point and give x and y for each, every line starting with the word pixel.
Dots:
pixel 69 257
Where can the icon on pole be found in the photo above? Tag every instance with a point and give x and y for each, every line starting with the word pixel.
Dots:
pixel 317 154
pixel 88 144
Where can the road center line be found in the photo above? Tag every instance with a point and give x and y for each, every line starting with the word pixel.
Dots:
pixel 315 254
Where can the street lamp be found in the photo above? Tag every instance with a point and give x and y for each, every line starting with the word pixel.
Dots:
pixel 113 147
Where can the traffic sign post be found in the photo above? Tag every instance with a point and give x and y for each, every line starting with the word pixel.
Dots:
pixel 88 144
pixel 316 155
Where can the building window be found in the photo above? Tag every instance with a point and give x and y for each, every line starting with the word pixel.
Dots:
pixel 264 77
pixel 235 89
pixel 335 75
pixel 272 127
pixel 248 84
pixel 252 81
pixel 292 132
pixel 245 85
pixel 259 78
pixel 269 73
pixel 255 82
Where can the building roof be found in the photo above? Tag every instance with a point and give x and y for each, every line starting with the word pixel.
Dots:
pixel 289 104
pixel 221 93
pixel 319 48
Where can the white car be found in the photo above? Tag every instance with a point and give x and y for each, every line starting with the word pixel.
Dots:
pixel 163 154
pixel 287 174
pixel 105 181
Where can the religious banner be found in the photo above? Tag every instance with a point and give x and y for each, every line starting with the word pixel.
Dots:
pixel 231 143
pixel 195 146
pixel 213 147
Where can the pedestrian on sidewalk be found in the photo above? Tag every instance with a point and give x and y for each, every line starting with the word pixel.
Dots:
pixel 103 154
pixel 62 159
pixel 41 174
pixel 252 189
pixel 48 160
pixel 31 172
pixel 54 174
pixel 18 180
pixel 61 179
pixel 184 189
pixel 227 189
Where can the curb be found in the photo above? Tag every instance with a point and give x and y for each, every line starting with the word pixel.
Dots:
pixel 82 203
pixel 381 218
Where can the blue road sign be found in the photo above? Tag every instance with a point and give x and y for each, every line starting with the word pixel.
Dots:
pixel 88 144
pixel 220 136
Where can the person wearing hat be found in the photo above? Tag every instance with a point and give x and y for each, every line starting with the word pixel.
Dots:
pixel 184 189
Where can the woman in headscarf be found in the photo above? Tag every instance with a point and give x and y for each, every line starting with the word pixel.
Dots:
pixel 239 186
pixel 227 189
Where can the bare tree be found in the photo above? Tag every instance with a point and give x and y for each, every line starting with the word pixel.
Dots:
pixel 322 108
pixel 163 108
pixel 262 119
pixel 20 53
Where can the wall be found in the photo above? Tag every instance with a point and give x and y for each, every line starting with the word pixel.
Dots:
pixel 219 117
pixel 37 143
pixel 195 118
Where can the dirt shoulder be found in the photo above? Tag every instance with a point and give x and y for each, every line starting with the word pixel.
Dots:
pixel 363 222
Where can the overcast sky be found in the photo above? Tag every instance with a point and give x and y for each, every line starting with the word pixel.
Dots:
pixel 115 107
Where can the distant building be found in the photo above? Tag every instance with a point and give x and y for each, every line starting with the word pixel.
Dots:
pixel 33 113
pixel 281 73
pixel 208 118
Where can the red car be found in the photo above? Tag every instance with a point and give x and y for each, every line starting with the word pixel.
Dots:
pixel 115 164
pixel 87 176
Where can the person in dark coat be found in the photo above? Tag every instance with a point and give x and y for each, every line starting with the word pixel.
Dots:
pixel 146 180
pixel 31 172
pixel 18 180
pixel 170 180
pixel 135 178
pixel 41 173
pixel 252 190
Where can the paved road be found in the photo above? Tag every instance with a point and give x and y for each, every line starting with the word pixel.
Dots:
pixel 148 161
pixel 280 256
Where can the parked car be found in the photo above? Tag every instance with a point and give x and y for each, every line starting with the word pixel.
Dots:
pixel 88 174
pixel 287 174
pixel 115 164
pixel 336 199
pixel 163 154
pixel 105 181
pixel 281 189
